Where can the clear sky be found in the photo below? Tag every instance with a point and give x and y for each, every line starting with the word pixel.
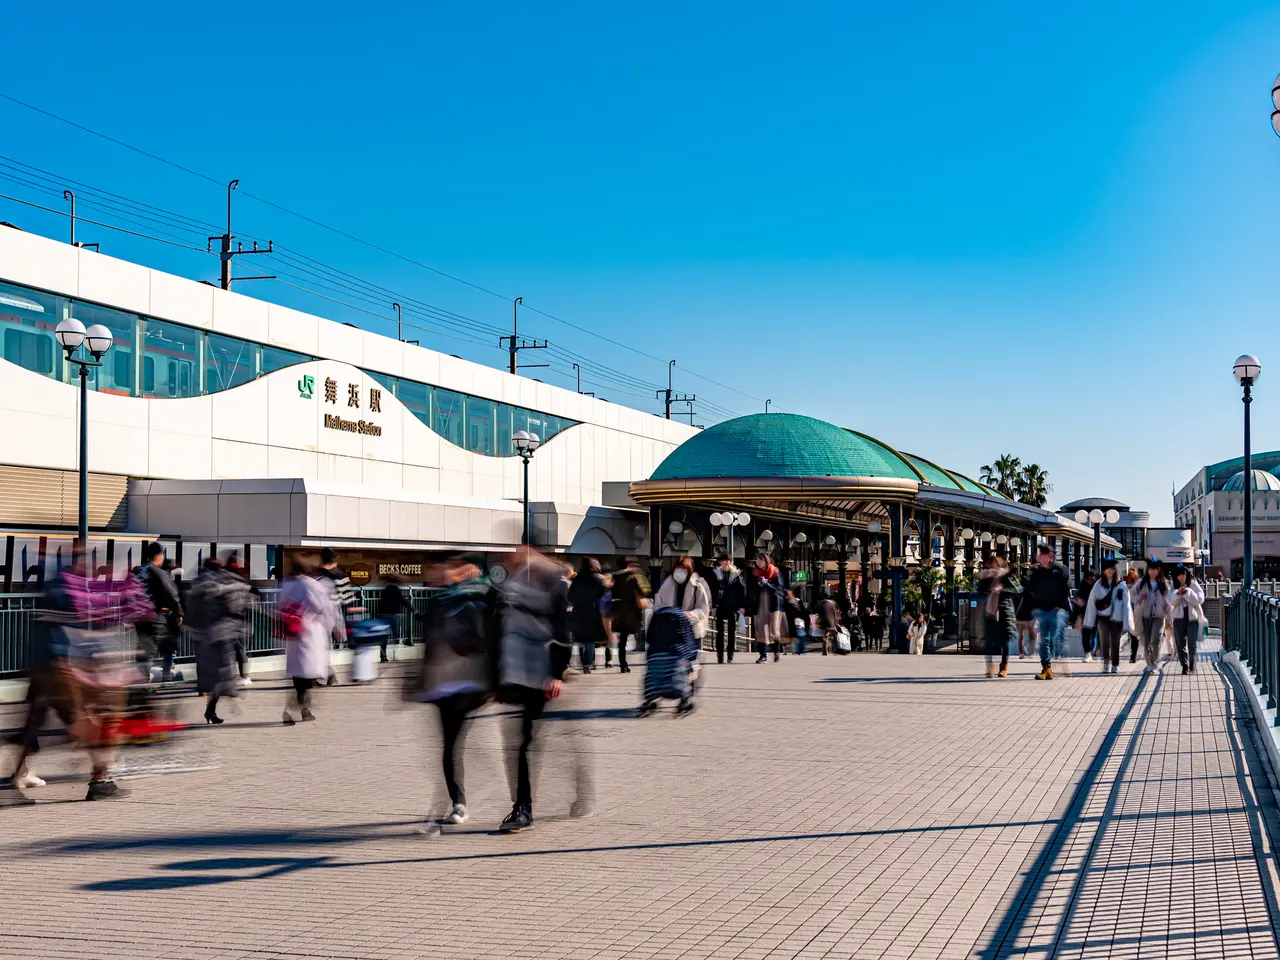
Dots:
pixel 967 229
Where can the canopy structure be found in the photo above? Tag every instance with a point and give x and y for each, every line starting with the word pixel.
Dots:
pixel 815 492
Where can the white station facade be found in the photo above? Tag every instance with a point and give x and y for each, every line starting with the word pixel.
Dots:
pixel 221 421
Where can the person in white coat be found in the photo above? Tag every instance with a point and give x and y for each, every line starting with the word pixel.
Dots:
pixel 1108 608
pixel 1186 610
pixel 916 633
pixel 310 616
pixel 688 591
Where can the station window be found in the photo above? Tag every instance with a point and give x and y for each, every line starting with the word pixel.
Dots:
pixel 28 320
pixel 446 418
pixel 171 360
pixel 417 399
pixel 277 358
pixel 481 417
pixel 116 375
pixel 229 362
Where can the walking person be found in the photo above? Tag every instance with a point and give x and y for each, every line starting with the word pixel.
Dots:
pixel 915 635
pixel 630 600
pixel 795 621
pixel 310 617
pixel 828 622
pixel 1110 614
pixel 586 622
pixel 158 633
pixel 999 616
pixel 686 590
pixel 1050 587
pixel 219 602
pixel 764 600
pixel 242 659
pixel 1186 609
pixel 1151 610
pixel 534 652
pixel 461 631
pixel 1088 633
pixel 1131 579
pixel 347 598
pixel 394 608
pixel 730 599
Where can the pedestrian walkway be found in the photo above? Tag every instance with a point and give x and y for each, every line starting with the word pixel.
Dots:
pixel 837 807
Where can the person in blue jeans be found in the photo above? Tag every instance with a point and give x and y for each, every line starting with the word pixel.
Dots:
pixel 1049 589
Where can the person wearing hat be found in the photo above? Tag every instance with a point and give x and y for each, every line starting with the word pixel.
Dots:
pixel 1109 613
pixel 1150 611
pixel 1186 610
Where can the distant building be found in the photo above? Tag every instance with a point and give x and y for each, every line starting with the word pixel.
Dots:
pixel 1130 529
pixel 1212 504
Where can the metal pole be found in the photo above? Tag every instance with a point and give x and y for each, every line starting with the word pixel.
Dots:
pixel 225 256
pixel 1248 490
pixel 84 456
pixel 68 195
pixel 515 332
pixel 524 539
pixel 670 367
pixel 399 333
pixel 1097 549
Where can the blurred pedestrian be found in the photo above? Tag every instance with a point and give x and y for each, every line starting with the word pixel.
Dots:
pixel 219 608
pixel 158 633
pixel 310 617
pixel 394 608
pixel 1186 609
pixel 630 599
pixel 828 622
pixel 1109 613
pixel 1050 589
pixel 461 631
pixel 1000 590
pixel 348 599
pixel 1088 634
pixel 241 643
pixel 764 601
pixel 586 623
pixel 1131 578
pixel 535 648
pixel 1150 611
pixel 1026 626
pixel 795 621
pixel 916 633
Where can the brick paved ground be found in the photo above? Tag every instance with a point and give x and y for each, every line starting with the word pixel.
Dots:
pixel 859 806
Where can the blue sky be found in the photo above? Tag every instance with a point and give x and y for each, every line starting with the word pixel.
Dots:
pixel 966 229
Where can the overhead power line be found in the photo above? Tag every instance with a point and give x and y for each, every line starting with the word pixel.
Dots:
pixel 367 243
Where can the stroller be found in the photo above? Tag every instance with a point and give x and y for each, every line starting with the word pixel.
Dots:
pixel 670 661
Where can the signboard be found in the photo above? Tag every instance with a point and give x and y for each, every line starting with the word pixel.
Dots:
pixel 1170 544
pixel 800 576
pixel 360 574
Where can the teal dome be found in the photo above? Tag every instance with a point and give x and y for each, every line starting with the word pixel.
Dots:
pixel 1261 481
pixel 781 445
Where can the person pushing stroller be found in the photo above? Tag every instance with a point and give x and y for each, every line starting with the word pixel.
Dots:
pixel 681 611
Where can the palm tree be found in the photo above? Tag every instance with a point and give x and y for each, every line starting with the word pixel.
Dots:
pixel 1033 485
pixel 1003 474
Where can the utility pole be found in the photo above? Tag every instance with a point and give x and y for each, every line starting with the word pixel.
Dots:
pixel 226 254
pixel 668 398
pixel 68 195
pixel 399 335
pixel 514 344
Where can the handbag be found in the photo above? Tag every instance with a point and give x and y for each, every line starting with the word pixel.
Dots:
pixel 843 642
pixel 1103 606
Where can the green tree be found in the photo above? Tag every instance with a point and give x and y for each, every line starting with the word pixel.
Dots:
pixel 1003 475
pixel 1033 485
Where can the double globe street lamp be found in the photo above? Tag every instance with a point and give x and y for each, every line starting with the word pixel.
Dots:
pixel 71 335
pixel 1097 518
pixel 526 444
pixel 728 519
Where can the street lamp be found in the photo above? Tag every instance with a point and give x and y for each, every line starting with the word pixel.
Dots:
pixel 1247 370
pixel 526 444
pixel 71 334
pixel 728 519
pixel 1275 103
pixel 1097 518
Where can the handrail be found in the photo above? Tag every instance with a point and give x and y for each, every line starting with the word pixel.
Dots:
pixel 1252 631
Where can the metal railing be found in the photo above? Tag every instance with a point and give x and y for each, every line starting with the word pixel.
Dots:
pixel 1253 632
pixel 262 629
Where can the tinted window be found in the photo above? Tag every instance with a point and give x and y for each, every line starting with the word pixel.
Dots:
pixel 274 358
pixel 417 398
pixel 28 320
pixel 481 415
pixel 229 362
pixel 29 349
pixel 116 373
pixel 171 360
pixel 446 419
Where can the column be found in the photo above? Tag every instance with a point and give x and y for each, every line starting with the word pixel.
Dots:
pixel 895 550
pixel 655 547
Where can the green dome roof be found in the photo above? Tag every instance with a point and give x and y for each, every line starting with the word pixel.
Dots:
pixel 780 445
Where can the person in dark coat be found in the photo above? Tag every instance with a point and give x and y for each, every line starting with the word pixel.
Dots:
pixel 631 593
pixel 393 605
pixel 219 602
pixel 999 622
pixel 158 634
pixel 586 622
pixel 730 600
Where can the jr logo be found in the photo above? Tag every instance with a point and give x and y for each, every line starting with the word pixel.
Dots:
pixel 307 387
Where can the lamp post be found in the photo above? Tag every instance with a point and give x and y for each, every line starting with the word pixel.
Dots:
pixel 728 519
pixel 1096 517
pixel 1247 370
pixel 71 333
pixel 526 443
